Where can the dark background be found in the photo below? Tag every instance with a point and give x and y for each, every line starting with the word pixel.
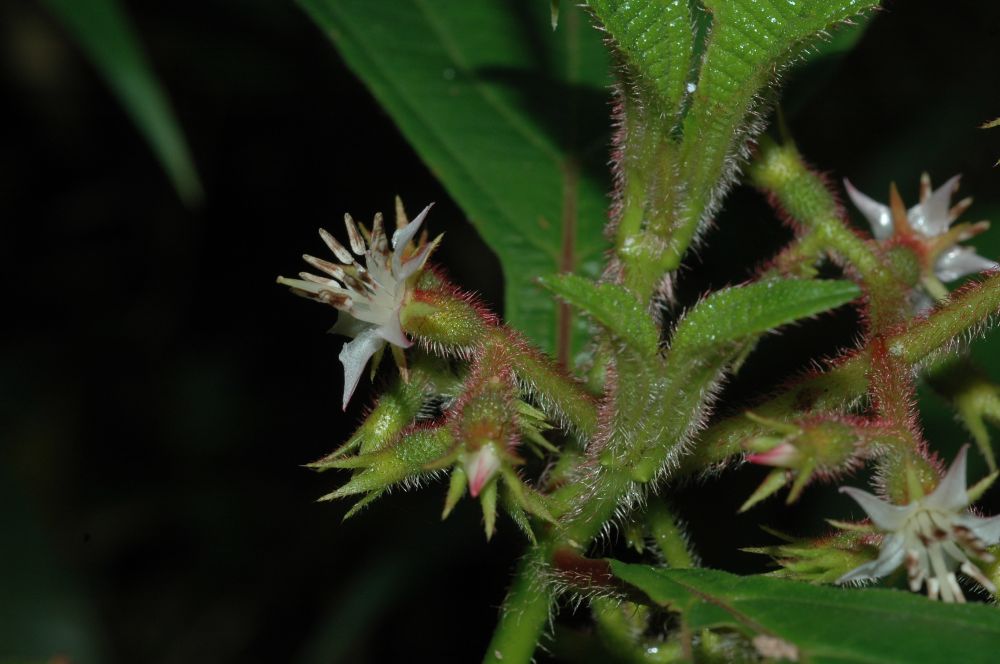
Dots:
pixel 159 393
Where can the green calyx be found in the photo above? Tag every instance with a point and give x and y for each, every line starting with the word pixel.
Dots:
pixel 821 560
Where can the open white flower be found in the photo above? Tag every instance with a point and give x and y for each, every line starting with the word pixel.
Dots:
pixel 925 227
pixel 368 296
pixel 933 537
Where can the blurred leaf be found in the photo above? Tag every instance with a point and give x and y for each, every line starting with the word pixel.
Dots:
pixel 736 313
pixel 106 35
pixel 364 596
pixel 822 624
pixel 512 118
pixel 810 75
pixel 43 613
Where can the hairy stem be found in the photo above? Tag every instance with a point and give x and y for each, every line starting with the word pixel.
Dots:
pixel 448 322
pixel 525 611
pixel 803 196
pixel 844 384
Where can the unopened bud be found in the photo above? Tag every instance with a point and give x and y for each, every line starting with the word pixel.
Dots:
pixel 481 466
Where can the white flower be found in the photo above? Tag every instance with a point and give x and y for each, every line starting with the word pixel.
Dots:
pixel 925 227
pixel 368 296
pixel 932 536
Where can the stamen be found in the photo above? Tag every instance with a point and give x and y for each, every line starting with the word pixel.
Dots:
pixel 925 187
pixel 379 243
pixel 342 254
pixel 977 575
pixel 959 208
pixel 956 590
pixel 357 242
pixel 334 271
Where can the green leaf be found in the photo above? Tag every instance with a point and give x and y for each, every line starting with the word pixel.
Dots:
pixel 823 624
pixel 748 44
pixel 512 118
pixel 736 313
pixel 656 40
pixel 611 306
pixel 106 35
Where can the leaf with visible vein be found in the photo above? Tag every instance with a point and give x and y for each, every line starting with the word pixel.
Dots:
pixel 510 116
pixel 824 624
pixel 611 306
pixel 737 313
pixel 749 42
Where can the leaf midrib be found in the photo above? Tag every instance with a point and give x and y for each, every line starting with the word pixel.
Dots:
pixel 454 53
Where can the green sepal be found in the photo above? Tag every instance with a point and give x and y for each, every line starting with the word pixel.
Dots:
pixel 532 424
pixel 802 477
pixel 363 503
pixel 527 498
pixel 456 489
pixel 395 410
pixel 516 513
pixel 406 459
pixel 976 491
pixel 774 481
pixel 488 501
pixel 821 560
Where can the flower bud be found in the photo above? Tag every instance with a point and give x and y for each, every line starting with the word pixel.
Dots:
pixel 822 446
pixel 481 466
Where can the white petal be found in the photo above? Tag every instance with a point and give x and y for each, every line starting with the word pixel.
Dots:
pixel 402 237
pixel 416 261
pixel 884 515
pixel 931 216
pixel 373 312
pixel 380 270
pixel 988 530
pixel 348 326
pixel 958 262
pixel 355 355
pixel 392 332
pixel 889 558
pixel 878 215
pixel 950 494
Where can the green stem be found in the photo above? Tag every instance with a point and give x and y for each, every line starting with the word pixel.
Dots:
pixel 557 392
pixel 780 172
pixel 449 324
pixel 525 611
pixel 843 385
pixel 666 530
